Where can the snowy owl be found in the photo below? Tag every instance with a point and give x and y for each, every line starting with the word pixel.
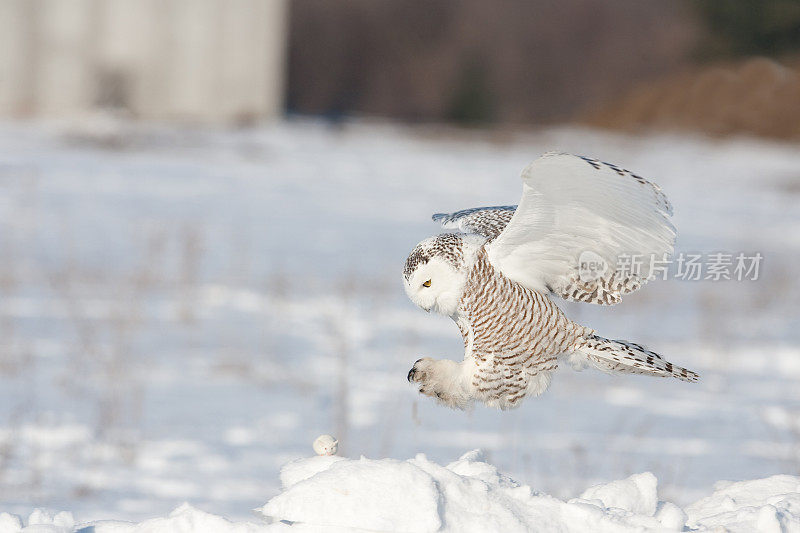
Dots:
pixel 578 225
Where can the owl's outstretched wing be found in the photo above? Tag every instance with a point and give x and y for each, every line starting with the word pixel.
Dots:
pixel 488 222
pixel 585 230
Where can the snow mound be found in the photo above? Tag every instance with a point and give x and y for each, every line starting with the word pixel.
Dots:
pixel 296 471
pixel 466 495
pixel 636 494
pixel 472 495
pixel 768 505
pixel 418 495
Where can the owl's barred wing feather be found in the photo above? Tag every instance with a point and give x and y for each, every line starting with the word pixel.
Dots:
pixel 488 222
pixel 578 210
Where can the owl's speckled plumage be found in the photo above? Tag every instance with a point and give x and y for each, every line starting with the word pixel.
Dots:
pixel 447 246
pixel 496 277
pixel 486 221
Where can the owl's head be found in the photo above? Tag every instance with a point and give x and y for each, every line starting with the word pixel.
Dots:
pixel 436 272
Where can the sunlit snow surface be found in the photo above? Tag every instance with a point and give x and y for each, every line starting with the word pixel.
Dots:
pixel 467 495
pixel 183 311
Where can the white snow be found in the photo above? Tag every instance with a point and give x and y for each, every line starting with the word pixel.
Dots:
pixel 636 494
pixel 769 505
pixel 183 311
pixel 468 495
pixel 301 469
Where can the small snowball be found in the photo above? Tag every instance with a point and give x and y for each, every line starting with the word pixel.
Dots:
pixel 325 445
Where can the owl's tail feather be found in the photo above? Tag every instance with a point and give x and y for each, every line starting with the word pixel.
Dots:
pixel 626 357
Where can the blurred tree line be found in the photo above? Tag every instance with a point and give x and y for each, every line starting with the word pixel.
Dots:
pixel 511 61
pixel 749 27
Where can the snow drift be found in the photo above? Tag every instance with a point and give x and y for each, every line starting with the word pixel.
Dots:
pixel 338 494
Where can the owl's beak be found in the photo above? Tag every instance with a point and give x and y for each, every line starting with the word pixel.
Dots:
pixel 427 309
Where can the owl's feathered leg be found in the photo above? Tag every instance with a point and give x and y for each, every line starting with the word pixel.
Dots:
pixel 624 357
pixel 444 380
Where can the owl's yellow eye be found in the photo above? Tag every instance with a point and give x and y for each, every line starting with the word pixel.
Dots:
pixel 427 283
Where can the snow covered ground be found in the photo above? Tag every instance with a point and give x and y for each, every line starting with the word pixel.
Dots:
pixel 183 311
pixel 337 494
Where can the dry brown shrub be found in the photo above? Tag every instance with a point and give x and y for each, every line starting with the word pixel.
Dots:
pixel 757 96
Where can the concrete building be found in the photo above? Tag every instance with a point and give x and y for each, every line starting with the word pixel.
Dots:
pixel 194 60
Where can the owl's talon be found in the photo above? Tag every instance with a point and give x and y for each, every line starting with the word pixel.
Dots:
pixel 432 379
pixel 412 374
pixel 419 375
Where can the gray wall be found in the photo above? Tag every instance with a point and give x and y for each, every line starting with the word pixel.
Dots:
pixel 204 60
